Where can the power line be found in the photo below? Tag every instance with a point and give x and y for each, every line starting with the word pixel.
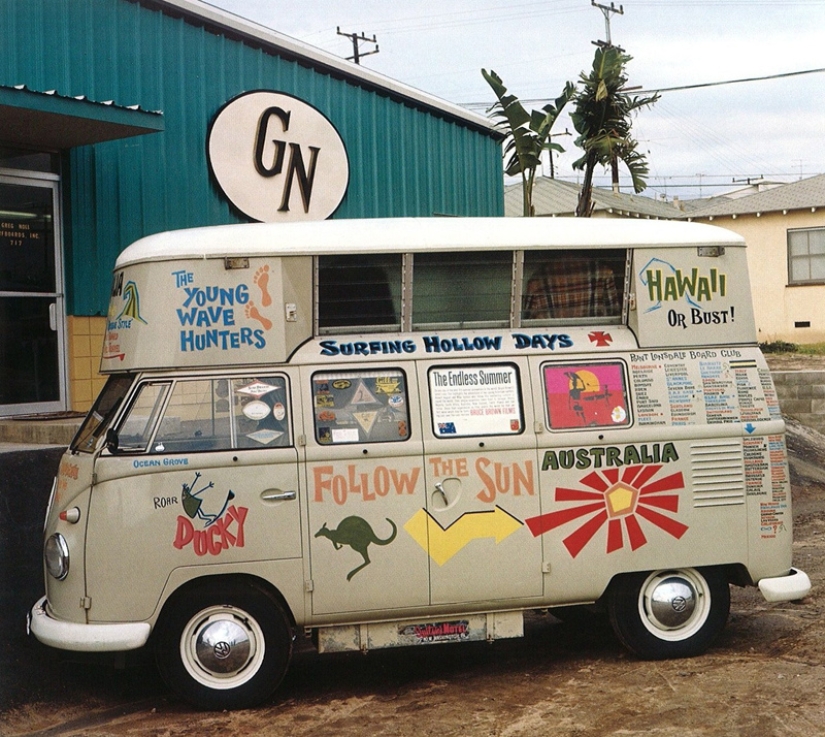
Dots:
pixel 701 85
pixel 783 75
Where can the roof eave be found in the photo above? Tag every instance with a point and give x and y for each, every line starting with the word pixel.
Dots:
pixel 287 47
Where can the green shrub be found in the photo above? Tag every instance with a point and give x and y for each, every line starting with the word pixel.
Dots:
pixel 779 346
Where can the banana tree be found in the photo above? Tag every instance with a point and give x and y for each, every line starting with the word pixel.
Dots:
pixel 527 134
pixel 602 118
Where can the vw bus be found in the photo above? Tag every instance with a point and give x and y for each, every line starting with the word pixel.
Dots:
pixel 403 432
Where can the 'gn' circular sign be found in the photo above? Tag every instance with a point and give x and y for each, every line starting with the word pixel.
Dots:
pixel 278 159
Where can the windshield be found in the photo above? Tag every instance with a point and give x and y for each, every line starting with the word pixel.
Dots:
pixel 101 413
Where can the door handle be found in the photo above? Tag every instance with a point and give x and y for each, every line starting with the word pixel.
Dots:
pixel 440 489
pixel 276 495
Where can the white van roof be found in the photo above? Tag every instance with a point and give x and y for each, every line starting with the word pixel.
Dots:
pixel 411 235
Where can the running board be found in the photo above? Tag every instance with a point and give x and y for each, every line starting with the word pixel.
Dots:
pixel 379 635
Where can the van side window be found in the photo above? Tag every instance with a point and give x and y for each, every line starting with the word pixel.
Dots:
pixel 475 400
pixel 461 289
pixel 197 418
pixel 361 291
pixel 573 284
pixel 208 414
pixel 360 406
pixel 586 395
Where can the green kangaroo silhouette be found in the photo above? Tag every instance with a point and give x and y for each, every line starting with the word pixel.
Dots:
pixel 358 534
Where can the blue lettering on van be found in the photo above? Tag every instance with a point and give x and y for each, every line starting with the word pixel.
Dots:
pixel 543 341
pixel 223 296
pixel 435 344
pixel 221 339
pixel 209 316
pixel 366 347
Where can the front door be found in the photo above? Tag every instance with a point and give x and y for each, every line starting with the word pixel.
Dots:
pixel 31 299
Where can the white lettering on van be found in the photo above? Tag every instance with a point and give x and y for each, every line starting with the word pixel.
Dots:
pixel 369 486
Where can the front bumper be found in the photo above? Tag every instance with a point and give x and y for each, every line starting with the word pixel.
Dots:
pixel 796 585
pixel 98 638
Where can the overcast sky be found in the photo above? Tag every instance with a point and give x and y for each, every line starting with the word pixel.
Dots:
pixel 697 141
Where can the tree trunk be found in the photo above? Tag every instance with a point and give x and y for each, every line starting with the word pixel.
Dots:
pixel 585 206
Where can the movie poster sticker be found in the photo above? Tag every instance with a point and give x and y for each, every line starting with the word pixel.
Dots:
pixel 475 400
pixel 586 395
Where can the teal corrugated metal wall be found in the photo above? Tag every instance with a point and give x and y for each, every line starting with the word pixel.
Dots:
pixel 404 161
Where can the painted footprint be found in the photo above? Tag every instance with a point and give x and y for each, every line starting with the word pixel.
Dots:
pixel 261 280
pixel 252 312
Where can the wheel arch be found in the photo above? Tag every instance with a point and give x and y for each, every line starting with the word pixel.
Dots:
pixel 736 574
pixel 222 580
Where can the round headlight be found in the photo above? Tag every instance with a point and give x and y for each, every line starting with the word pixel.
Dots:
pixel 56 553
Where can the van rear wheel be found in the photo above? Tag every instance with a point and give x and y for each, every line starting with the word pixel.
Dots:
pixel 224 646
pixel 675 613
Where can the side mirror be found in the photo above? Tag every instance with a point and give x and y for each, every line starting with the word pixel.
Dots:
pixel 112 441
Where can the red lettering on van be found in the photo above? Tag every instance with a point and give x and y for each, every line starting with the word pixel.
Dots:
pixel 226 532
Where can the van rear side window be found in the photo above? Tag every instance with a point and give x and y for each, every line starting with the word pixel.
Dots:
pixel 360 407
pixel 586 395
pixel 564 285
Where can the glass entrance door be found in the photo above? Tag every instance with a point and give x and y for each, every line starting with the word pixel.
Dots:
pixel 31 298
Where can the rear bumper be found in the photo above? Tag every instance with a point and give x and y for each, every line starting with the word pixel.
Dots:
pixel 796 585
pixel 86 637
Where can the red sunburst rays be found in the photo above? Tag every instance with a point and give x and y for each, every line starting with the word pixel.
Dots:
pixel 618 497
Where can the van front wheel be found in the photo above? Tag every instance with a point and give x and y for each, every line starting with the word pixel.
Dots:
pixel 674 613
pixel 224 647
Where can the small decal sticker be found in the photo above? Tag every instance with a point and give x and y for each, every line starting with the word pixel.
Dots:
pixel 256 410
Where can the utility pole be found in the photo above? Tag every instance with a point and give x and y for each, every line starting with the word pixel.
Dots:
pixel 356 45
pixel 606 11
pixel 550 150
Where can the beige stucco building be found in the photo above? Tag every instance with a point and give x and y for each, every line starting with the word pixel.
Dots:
pixel 785 231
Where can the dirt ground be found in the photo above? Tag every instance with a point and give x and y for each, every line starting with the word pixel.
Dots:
pixel 765 676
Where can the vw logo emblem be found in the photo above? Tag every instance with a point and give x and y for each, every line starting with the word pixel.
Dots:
pixel 222 650
pixel 679 603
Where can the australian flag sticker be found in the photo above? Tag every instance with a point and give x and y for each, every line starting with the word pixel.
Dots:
pixel 446 428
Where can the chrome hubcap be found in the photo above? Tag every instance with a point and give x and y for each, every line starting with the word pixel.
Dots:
pixel 672 602
pixel 222 646
pixel 674 605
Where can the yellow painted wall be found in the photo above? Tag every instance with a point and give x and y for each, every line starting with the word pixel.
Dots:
pixel 777 305
pixel 85 336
